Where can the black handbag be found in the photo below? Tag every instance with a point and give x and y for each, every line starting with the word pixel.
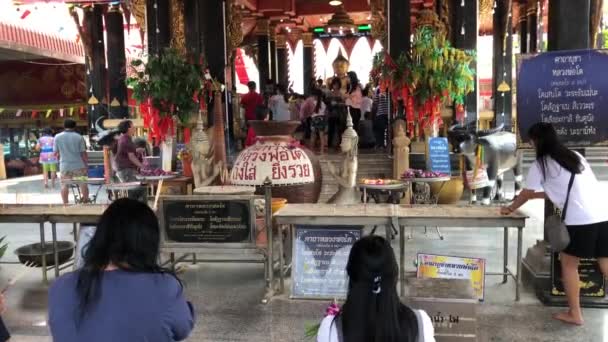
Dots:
pixel 557 232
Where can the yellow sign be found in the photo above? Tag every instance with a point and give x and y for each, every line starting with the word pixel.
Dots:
pixel 451 267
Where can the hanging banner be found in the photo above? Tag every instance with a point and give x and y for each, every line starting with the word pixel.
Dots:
pixel 26 84
pixel 564 88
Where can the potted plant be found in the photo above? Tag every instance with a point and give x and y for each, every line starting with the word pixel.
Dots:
pixel 433 72
pixel 167 89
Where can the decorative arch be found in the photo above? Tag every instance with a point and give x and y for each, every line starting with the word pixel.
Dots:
pixel 362 58
pixel 296 70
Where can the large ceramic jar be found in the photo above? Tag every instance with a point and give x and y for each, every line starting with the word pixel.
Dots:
pixel 294 170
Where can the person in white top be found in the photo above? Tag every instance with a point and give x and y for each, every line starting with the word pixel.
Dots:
pixel 586 214
pixel 372 311
pixel 279 104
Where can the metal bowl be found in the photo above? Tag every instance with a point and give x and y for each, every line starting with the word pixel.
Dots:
pixel 32 253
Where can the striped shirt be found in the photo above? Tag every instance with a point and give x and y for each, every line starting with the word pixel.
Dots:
pixel 381 102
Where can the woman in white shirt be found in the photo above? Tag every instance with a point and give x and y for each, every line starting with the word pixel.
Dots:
pixel 372 311
pixel 586 214
pixel 279 104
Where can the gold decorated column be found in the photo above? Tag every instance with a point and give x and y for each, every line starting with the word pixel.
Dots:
pixel 309 60
pixel 178 33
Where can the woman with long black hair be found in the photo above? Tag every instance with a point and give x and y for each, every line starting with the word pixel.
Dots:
pixel 121 293
pixel 354 98
pixel 556 169
pixel 372 311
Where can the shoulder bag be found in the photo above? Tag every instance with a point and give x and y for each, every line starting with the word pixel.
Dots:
pixel 556 229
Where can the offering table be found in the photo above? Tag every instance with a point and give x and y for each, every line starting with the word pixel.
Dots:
pixel 452 216
pixel 39 213
pixel 389 215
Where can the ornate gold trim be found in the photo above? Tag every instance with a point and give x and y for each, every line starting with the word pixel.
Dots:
pixel 138 9
pixel 379 28
pixel 234 32
pixel 307 39
pixel 262 27
pixel 178 33
pixel 281 41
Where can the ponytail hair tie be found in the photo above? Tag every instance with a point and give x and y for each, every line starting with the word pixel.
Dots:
pixel 377 288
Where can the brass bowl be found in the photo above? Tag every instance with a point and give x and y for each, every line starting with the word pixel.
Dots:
pixel 32 253
pixel 451 193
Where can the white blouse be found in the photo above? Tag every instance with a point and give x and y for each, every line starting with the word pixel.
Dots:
pixel 586 205
pixel 426 333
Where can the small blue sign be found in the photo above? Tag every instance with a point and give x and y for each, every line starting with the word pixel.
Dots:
pixel 439 155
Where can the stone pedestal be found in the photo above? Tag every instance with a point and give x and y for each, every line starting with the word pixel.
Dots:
pixel 401 150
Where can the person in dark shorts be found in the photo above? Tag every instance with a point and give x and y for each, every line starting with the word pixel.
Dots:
pixel 318 121
pixel 4 335
pixel 586 214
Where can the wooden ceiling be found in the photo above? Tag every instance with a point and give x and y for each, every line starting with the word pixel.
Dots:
pixel 305 14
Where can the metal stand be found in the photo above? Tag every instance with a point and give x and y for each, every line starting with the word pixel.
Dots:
pixel 269 253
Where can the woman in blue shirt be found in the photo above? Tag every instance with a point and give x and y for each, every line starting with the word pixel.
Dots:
pixel 121 293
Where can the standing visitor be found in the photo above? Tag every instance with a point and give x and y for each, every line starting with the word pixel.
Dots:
pixel 48 158
pixel 586 217
pixel 380 110
pixel 318 121
pixel 336 117
pixel 251 101
pixel 306 111
pixel 373 311
pixel 4 335
pixel 261 114
pixel 71 151
pixel 366 102
pixel 279 104
pixel 366 132
pixel 121 294
pixel 355 98
pixel 126 159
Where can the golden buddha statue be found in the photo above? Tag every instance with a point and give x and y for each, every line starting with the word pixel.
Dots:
pixel 340 66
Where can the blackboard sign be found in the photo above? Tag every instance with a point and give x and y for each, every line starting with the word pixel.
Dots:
pixel 591 278
pixel 567 89
pixel 320 255
pixel 210 220
pixel 439 155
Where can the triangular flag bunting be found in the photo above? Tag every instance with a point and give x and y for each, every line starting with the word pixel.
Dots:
pixel 93 100
pixel 115 103
pixel 18 114
pixel 71 111
pixel 61 112
pixel 34 114
pixel 1 110
pixel 48 113
pixel 81 109
pixel 25 14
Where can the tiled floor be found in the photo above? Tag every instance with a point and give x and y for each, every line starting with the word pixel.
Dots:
pixel 227 296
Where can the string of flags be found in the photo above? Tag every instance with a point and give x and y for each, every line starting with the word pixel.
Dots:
pixel 49 113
